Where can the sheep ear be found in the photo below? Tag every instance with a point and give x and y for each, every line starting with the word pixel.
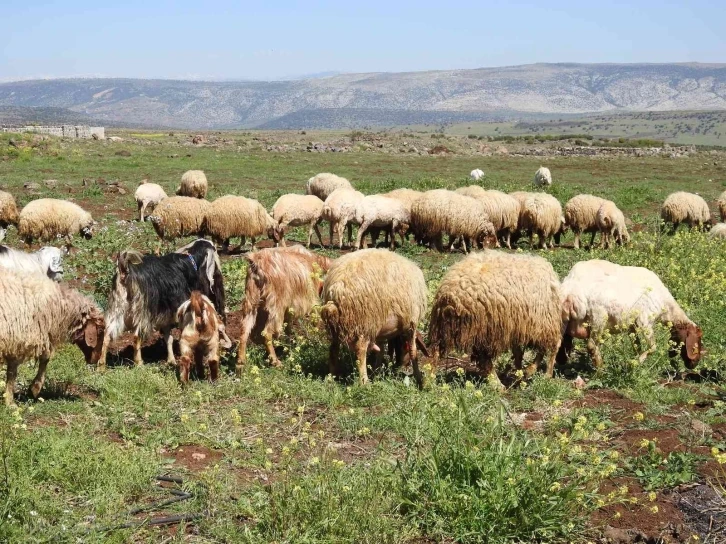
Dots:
pixel 91 334
pixel 693 337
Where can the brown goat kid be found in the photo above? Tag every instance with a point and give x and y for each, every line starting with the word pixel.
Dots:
pixel 282 284
pixel 199 342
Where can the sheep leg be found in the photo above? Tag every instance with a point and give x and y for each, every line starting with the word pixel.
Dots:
pixel 333 356
pixel 138 361
pixel 576 243
pixel 282 229
pixel 39 380
pixel 394 227
pixel 142 208
pixel 594 352
pixel 413 356
pixel 592 240
pixel 185 364
pixel 508 239
pixel 10 377
pixel 550 370
pixel 361 235
pixel 332 232
pixel 350 233
pixel 340 227
pixel 541 240
pixel 650 339
pixel 320 237
pixel 483 360
pixel 247 323
pixel 361 351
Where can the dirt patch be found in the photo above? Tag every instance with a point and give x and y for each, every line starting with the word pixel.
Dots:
pixel 195 458
pixel 620 407
pixel 351 452
pixel 667 440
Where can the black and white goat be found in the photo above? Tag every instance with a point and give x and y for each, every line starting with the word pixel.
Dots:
pixel 147 290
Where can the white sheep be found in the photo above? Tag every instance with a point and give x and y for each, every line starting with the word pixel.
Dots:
pixel 581 216
pixel 611 224
pixel 542 176
pixel 542 215
pixel 193 184
pixel 381 212
pixel 47 219
pixel 8 213
pixel 178 216
pixel 232 216
pixel 369 297
pixel 340 210
pixel 47 261
pixel 322 185
pixel 600 296
pixel 502 209
pixel 476 174
pixel 441 212
pixel 492 302
pixel 722 205
pixel 295 211
pixel 147 196
pixel 37 315
pixel 688 208
pixel 718 231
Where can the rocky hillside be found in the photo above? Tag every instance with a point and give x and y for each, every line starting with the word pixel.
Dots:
pixel 355 100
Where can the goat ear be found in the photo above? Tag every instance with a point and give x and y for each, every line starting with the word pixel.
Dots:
pixel 90 332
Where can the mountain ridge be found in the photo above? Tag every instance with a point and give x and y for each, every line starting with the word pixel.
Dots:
pixel 358 99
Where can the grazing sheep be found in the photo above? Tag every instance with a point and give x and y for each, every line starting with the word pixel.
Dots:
pixel 718 231
pixel 179 216
pixel 476 174
pixel 147 291
pixel 441 212
pixel 371 296
pixel 688 208
pixel 600 296
pixel 282 284
pixel 581 216
pixel 501 208
pixel 406 197
pixel 193 184
pixel 233 216
pixel 38 315
pixel 381 212
pixel 8 213
pixel 542 177
pixel 721 205
pixel 47 261
pixel 542 215
pixel 340 210
pixel 323 185
pixel 296 211
pixel 492 302
pixel 611 224
pixel 147 196
pixel 199 340
pixel 47 219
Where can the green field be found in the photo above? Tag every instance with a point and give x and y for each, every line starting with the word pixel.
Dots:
pixel 687 128
pixel 289 455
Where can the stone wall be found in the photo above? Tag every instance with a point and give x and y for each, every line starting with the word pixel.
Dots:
pixel 63 131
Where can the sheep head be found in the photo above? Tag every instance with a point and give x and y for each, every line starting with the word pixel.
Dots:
pixel 89 336
pixel 689 338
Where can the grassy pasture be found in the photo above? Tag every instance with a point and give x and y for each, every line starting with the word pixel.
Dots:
pixel 292 456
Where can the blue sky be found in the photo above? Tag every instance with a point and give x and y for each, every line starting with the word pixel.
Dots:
pixel 270 40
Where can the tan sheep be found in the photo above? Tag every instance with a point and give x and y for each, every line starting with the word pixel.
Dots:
pixel 382 212
pixel 178 216
pixel 611 224
pixel 441 212
pixel 282 285
pixel 8 213
pixel 718 231
pixel 339 211
pixel 722 205
pixel 492 302
pixel 542 215
pixel 233 216
pixel 296 211
pixel 502 209
pixel 147 196
pixel 405 196
pixel 193 184
pixel 47 219
pixel 322 185
pixel 371 296
pixel 688 208
pixel 37 315
pixel 581 216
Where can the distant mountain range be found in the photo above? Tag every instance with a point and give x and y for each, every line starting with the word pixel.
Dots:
pixel 382 99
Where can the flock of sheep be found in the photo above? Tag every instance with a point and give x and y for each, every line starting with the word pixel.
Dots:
pixel 489 303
